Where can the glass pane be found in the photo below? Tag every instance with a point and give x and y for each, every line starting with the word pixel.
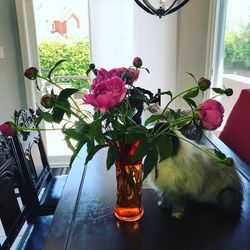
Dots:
pixel 236 72
pixel 237 38
pixel 62 28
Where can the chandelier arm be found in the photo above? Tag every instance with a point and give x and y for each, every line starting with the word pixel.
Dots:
pixel 150 6
pixel 144 7
pixel 170 7
pixel 169 11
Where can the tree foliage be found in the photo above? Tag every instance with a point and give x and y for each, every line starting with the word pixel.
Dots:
pixel 237 48
pixel 76 56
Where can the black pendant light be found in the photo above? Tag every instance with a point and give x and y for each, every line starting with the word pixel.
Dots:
pixel 166 7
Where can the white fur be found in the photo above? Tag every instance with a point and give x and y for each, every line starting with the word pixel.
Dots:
pixel 192 174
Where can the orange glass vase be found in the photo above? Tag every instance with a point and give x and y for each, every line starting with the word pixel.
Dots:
pixel 129 185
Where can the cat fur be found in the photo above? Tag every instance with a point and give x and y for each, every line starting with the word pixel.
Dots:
pixel 190 174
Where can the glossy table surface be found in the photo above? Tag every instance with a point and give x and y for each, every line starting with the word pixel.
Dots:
pixel 84 217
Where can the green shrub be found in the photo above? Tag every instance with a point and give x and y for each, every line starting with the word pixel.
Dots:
pixel 237 48
pixel 76 56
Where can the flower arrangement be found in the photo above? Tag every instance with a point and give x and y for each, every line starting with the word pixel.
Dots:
pixel 116 119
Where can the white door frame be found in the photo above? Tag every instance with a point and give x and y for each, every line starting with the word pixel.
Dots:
pixel 215 41
pixel 28 42
pixel 29 52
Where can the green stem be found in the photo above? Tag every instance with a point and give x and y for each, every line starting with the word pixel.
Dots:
pixel 172 99
pixel 174 123
pixel 195 145
pixel 68 110
pixel 182 93
pixel 36 129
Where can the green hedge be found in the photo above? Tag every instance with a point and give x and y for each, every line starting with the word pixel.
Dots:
pixel 237 48
pixel 76 56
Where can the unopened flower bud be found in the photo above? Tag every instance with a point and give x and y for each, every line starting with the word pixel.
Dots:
pixel 229 92
pixel 204 84
pixel 31 73
pixel 48 101
pixel 229 162
pixel 8 129
pixel 92 66
pixel 137 62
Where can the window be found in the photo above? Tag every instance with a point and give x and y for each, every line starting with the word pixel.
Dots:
pixel 231 52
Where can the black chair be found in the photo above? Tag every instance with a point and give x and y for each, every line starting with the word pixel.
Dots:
pixel 15 212
pixel 44 189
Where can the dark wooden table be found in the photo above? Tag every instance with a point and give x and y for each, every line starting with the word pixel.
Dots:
pixel 84 217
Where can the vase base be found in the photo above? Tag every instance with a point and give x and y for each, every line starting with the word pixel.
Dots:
pixel 128 214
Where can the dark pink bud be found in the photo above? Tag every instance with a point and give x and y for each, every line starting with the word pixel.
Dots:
pixel 204 84
pixel 48 101
pixel 31 73
pixel 137 62
pixel 8 129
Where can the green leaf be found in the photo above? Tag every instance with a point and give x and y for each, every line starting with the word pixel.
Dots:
pixel 150 162
pixel 137 130
pixel 141 150
pixel 60 109
pixel 78 147
pixel 69 144
pixel 190 102
pixel 55 66
pixel 154 118
pixel 176 114
pixel 218 90
pixel 65 94
pixel 95 131
pixel 93 151
pixel 166 93
pixel 111 157
pixel 82 127
pixel 47 117
pixel 165 146
pixel 219 154
pixel 192 76
pixel 37 120
pixel 73 134
pixel 192 93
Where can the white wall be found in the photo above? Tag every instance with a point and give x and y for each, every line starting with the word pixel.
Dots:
pixel 12 93
pixel 192 42
pixel 111 33
pixel 155 42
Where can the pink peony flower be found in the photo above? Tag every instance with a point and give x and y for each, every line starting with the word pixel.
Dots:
pixel 107 94
pixel 129 74
pixel 211 113
pixel 7 130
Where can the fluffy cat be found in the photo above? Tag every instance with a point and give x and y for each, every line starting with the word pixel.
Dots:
pixel 190 174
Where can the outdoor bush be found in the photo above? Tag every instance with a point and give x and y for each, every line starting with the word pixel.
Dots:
pixel 76 55
pixel 237 48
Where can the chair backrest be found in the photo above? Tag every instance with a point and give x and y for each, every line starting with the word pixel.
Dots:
pixel 13 208
pixel 31 151
pixel 236 132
